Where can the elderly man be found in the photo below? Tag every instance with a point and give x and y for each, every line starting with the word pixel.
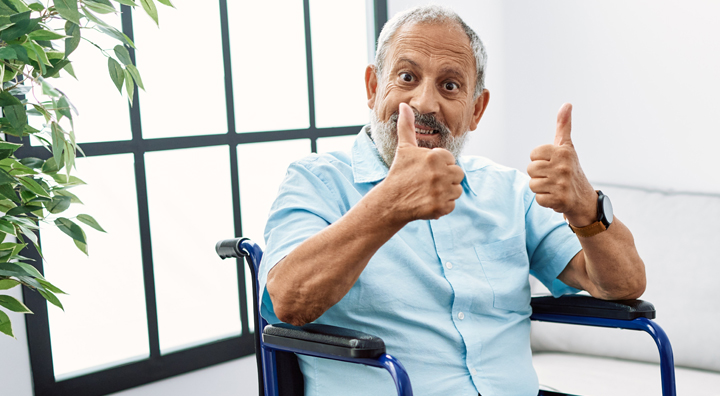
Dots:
pixel 404 239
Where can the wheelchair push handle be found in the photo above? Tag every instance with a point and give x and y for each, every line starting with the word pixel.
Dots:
pixel 230 248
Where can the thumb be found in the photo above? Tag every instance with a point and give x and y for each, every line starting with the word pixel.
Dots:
pixel 406 126
pixel 564 125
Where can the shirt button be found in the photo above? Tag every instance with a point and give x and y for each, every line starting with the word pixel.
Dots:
pixel 473 371
pixel 448 265
pixel 461 315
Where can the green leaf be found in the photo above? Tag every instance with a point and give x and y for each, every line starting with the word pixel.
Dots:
pixel 58 204
pixel 12 269
pixel 122 54
pixel 7 284
pixel 7 53
pixel 150 9
pixel 50 166
pixel 44 35
pixel 31 162
pixel 116 73
pixel 6 99
pixel 6 190
pixel 36 5
pixel 6 205
pixel 64 107
pixel 68 68
pixel 31 270
pixel 58 142
pixel 22 26
pixel 89 220
pixel 13 304
pixel 52 299
pixel 65 181
pixel 18 5
pixel 9 146
pixel 136 76
pixel 166 2
pixel 99 7
pixel 21 52
pixel 129 86
pixel 33 186
pixel 73 40
pixel 82 246
pixel 68 9
pixel 127 3
pixel 7 9
pixel 5 325
pixel 71 229
pixel 66 193
pixel 50 286
pixel 109 30
pixel 7 227
pixel 17 117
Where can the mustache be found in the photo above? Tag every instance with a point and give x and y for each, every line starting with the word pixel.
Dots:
pixel 427 120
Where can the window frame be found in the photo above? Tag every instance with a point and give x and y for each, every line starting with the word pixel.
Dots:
pixel 160 366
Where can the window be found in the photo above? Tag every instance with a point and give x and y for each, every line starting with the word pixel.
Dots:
pixel 179 171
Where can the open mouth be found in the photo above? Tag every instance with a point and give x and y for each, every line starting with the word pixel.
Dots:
pixel 425 131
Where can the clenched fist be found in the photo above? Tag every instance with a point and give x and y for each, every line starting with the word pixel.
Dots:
pixel 422 183
pixel 558 179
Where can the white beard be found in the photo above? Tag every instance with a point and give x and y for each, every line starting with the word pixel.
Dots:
pixel 384 134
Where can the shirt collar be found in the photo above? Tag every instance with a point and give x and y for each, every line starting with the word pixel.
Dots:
pixel 368 166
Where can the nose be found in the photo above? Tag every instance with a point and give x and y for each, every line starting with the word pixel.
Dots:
pixel 425 99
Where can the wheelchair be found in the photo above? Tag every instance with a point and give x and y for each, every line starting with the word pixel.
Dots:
pixel 276 345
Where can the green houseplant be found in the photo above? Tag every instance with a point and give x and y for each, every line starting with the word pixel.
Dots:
pixel 37 39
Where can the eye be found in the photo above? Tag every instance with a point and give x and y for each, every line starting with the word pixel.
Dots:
pixel 451 86
pixel 407 77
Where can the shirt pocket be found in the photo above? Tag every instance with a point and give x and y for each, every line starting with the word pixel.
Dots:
pixel 507 269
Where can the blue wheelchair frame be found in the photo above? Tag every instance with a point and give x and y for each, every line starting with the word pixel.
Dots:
pixel 578 310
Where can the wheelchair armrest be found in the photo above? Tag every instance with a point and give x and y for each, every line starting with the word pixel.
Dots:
pixel 324 339
pixel 578 305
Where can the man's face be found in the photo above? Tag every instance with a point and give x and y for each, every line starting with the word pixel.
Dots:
pixel 431 67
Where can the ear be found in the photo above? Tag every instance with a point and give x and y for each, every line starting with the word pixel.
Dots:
pixel 371 85
pixel 480 105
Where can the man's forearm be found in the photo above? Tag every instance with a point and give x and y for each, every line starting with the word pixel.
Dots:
pixel 321 270
pixel 609 267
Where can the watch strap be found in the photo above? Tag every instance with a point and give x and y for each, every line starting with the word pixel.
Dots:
pixel 588 231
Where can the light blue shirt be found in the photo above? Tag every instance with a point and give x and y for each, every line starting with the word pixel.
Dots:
pixel 450 297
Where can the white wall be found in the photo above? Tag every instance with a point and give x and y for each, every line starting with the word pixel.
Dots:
pixel 642 77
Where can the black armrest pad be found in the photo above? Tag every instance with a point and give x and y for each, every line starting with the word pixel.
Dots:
pixel 590 306
pixel 325 339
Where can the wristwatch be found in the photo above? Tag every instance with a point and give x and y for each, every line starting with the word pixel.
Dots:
pixel 604 218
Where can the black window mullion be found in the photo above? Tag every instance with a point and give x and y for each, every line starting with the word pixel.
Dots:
pixel 310 83
pixel 142 201
pixel 234 167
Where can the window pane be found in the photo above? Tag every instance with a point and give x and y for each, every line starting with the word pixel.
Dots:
pixel 340 55
pixel 267 46
pixel 335 143
pixel 103 115
pixel 105 305
pixel 190 202
pixel 181 98
pixel 262 167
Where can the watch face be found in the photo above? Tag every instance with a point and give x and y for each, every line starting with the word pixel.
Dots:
pixel 607 209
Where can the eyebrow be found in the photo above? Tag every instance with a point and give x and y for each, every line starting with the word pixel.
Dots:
pixel 408 60
pixel 453 71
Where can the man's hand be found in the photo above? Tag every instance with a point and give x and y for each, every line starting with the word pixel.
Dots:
pixel 421 183
pixel 558 179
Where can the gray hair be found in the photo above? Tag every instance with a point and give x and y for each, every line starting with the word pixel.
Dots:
pixel 431 14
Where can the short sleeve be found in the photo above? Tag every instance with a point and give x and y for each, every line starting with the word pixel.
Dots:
pixel 550 243
pixel 304 206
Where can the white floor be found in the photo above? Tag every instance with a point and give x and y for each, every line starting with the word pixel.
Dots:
pixel 593 376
